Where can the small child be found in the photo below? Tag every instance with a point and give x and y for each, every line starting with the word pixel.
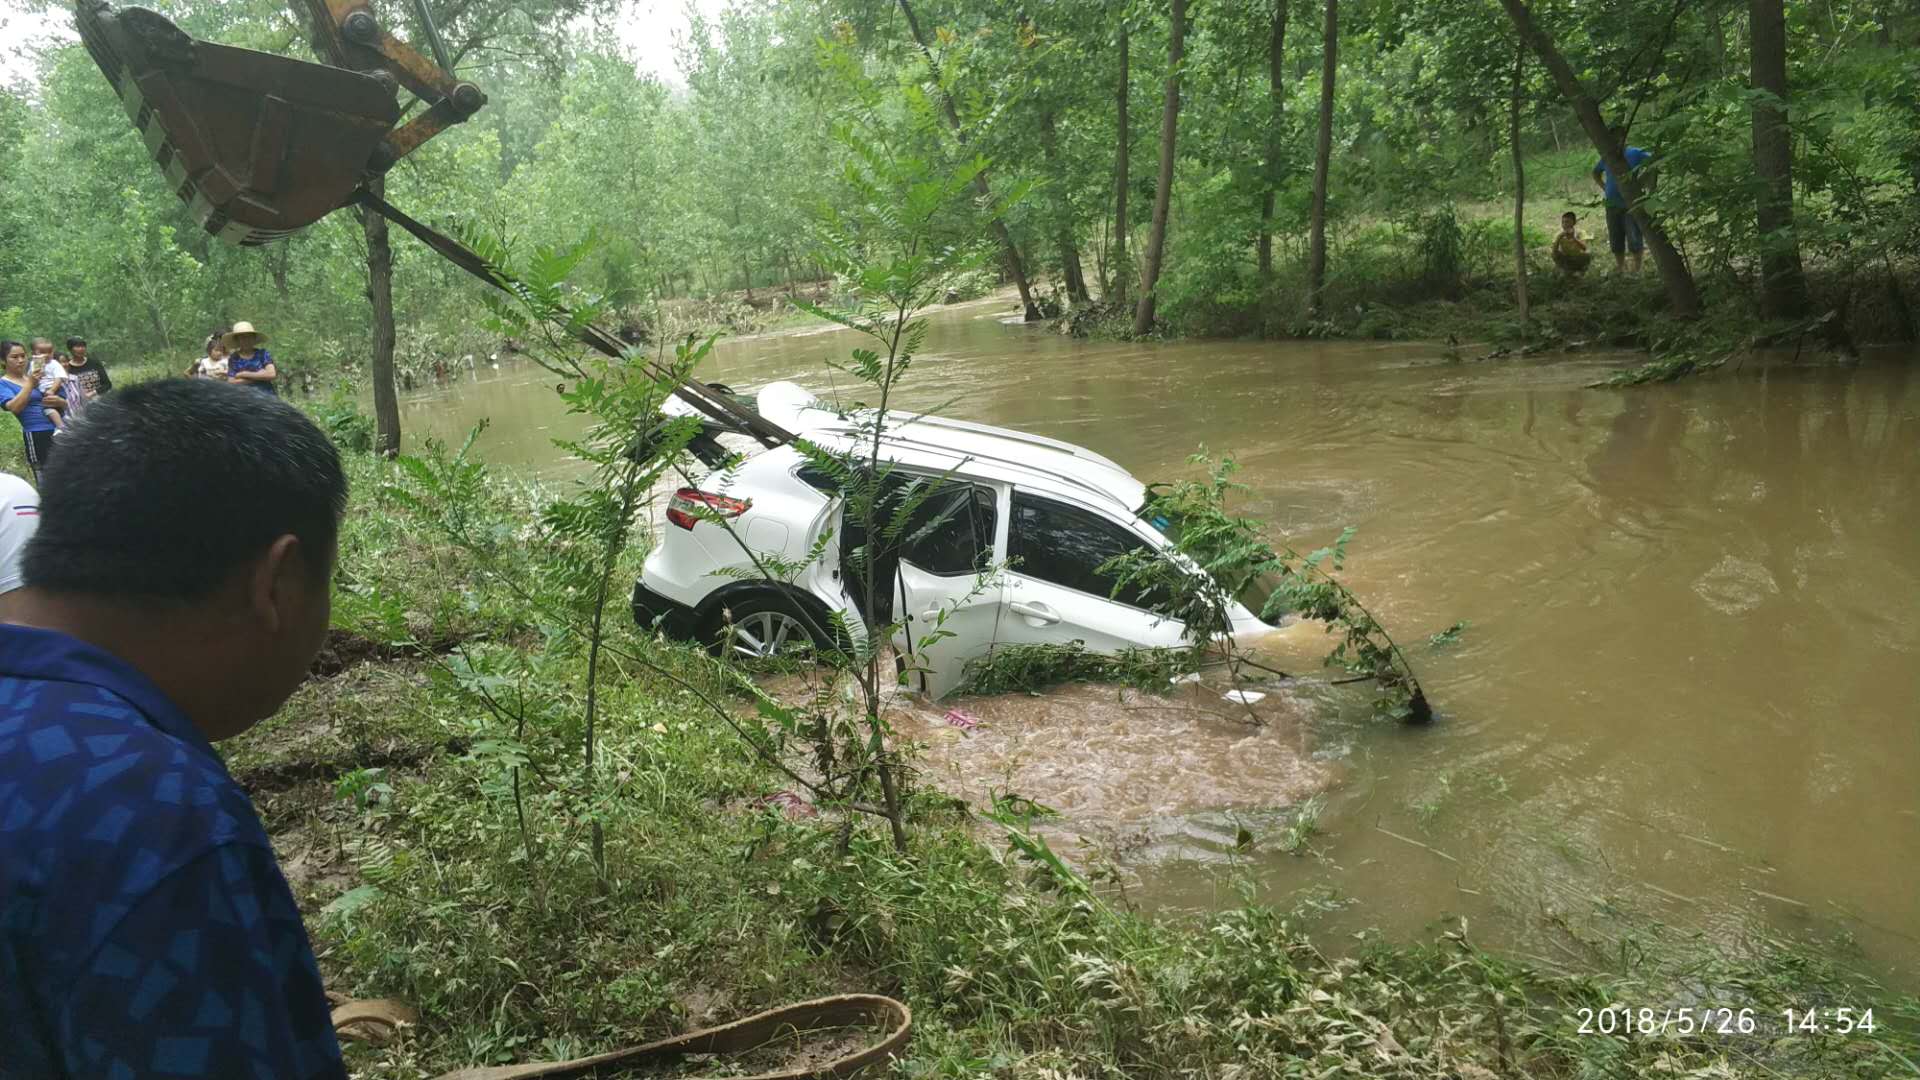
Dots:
pixel 52 374
pixel 1570 248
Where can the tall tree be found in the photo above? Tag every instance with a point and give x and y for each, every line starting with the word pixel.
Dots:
pixel 1783 285
pixel 1070 271
pixel 1519 185
pixel 1323 161
pixel 1122 147
pixel 386 401
pixel 1682 295
pixel 1015 267
pixel 1276 93
pixel 1163 191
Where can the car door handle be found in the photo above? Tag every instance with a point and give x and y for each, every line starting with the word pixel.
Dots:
pixel 1037 611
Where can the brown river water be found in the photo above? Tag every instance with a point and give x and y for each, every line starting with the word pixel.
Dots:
pixel 1690 686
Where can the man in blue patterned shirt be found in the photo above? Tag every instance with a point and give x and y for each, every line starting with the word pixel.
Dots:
pixel 145 928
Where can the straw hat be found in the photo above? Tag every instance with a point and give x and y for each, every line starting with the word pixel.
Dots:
pixel 232 338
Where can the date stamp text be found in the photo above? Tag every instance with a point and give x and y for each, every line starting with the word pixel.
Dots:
pixel 1679 1020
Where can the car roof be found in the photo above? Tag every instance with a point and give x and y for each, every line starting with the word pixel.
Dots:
pixel 981 450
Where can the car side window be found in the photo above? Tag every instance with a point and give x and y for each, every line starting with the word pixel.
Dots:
pixel 1066 545
pixel 952 531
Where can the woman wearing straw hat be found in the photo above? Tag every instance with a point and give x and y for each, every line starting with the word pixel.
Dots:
pixel 248 363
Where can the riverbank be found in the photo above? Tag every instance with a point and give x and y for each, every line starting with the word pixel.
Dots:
pixel 1447 277
pixel 443 854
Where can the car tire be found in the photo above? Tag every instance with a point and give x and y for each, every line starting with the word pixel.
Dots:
pixel 767 626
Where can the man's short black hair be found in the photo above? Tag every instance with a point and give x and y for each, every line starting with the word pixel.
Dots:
pixel 74 342
pixel 160 491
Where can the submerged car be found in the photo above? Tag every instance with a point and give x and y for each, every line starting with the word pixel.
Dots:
pixel 756 558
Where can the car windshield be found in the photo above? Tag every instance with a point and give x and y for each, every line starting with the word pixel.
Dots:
pixel 1253 594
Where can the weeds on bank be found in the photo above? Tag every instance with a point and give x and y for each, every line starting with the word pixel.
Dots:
pixel 719 902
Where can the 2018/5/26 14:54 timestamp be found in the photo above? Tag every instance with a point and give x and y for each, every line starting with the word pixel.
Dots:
pixel 1623 1020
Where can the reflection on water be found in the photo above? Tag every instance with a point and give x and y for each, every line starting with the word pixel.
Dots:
pixel 1690 681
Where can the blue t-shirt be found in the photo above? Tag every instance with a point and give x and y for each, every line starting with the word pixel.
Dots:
pixel 34 416
pixel 261 358
pixel 145 929
pixel 1636 157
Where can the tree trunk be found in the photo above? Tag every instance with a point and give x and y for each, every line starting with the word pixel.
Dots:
pixel 386 404
pixel 1322 162
pixel 279 264
pixel 1783 286
pixel 1276 90
pixel 1163 192
pixel 1123 146
pixel 1717 38
pixel 1063 223
pixel 1015 268
pixel 1681 293
pixel 1519 189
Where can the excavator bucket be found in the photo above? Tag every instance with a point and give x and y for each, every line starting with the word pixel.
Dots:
pixel 258 146
pixel 261 146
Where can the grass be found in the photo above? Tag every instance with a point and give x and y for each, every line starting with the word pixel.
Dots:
pixel 1303 826
pixel 431 871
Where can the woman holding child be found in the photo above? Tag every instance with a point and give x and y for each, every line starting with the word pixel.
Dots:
pixel 20 394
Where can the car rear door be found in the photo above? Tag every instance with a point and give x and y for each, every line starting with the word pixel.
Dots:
pixel 1054 592
pixel 949 602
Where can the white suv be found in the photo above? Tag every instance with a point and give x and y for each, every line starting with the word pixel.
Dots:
pixel 1045 512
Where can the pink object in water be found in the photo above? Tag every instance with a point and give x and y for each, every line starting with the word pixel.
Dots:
pixel 788 803
pixel 962 719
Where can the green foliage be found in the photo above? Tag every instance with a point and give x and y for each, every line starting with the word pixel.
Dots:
pixel 340 417
pixel 692 193
pixel 1239 560
pixel 1033 668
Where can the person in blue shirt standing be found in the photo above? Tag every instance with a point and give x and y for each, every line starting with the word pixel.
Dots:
pixel 248 361
pixel 20 394
pixel 145 928
pixel 1623 232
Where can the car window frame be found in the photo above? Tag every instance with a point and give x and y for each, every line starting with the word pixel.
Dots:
pixel 1127 526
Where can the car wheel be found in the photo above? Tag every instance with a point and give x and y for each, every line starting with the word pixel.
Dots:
pixel 761 628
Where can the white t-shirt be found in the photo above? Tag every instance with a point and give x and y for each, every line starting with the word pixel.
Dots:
pixel 51 376
pixel 19 518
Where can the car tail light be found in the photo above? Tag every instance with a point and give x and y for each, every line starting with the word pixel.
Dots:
pixel 689 505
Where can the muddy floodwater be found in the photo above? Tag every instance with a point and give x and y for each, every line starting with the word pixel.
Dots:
pixel 1689 686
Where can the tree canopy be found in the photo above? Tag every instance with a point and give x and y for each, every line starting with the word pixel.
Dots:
pixel 710 181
